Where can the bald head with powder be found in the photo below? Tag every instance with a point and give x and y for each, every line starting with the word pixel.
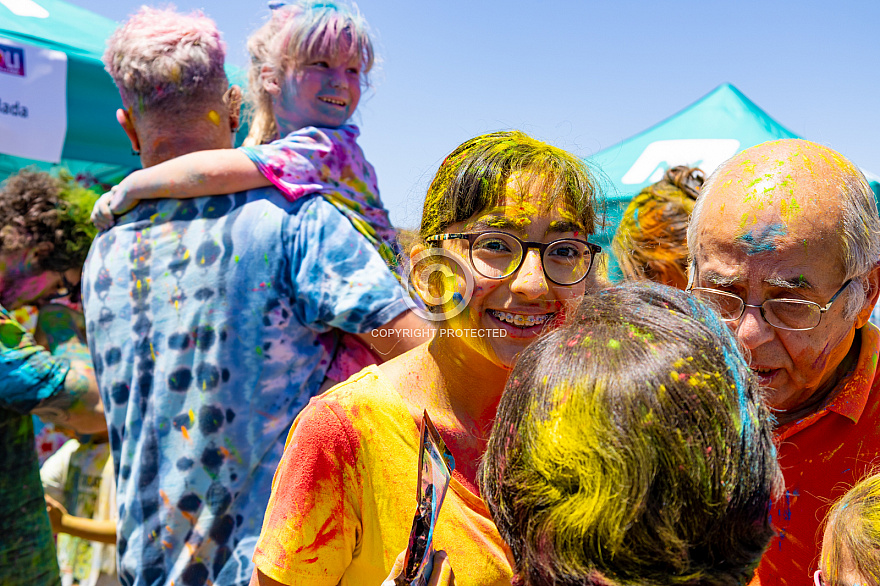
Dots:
pixel 790 219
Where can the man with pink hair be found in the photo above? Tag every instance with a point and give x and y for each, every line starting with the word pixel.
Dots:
pixel 212 320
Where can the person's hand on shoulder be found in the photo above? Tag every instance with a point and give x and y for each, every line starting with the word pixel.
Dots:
pixel 115 202
pixel 101 216
pixel 442 574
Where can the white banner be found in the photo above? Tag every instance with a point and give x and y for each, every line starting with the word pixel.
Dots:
pixel 33 101
pixel 660 155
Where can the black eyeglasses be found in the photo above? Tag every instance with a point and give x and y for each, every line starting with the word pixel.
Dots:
pixel 67 289
pixel 785 314
pixel 496 255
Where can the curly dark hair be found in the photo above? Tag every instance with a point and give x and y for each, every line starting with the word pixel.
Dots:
pixel 37 208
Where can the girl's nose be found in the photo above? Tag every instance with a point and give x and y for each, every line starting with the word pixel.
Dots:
pixel 529 280
pixel 337 79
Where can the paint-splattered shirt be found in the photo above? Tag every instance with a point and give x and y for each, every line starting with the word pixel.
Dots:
pixel 822 456
pixel 211 322
pixel 29 376
pixel 80 477
pixel 344 496
pixel 330 162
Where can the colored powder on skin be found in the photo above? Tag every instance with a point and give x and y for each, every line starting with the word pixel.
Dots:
pixel 502 222
pixel 756 242
pixel 214 117
pixel 756 181
pixel 789 209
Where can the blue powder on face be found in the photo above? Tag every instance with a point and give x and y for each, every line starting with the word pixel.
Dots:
pixel 764 240
pixel 457 297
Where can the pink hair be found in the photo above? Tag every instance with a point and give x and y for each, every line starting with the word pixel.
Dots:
pixel 297 33
pixel 160 56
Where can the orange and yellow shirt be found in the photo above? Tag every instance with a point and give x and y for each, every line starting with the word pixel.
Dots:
pixel 344 496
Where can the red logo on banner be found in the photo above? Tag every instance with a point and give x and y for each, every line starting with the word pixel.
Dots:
pixel 12 60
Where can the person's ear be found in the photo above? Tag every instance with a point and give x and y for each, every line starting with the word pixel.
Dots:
pixel 430 290
pixel 873 281
pixel 269 80
pixel 416 279
pixel 436 277
pixel 232 99
pixel 126 121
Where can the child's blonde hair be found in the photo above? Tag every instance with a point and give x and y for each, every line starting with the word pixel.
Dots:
pixel 296 34
pixel 854 526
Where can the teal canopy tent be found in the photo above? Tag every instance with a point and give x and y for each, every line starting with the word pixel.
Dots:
pixel 94 144
pixel 705 134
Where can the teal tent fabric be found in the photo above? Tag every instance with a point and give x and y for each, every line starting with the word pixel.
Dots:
pixel 94 141
pixel 704 134
pixel 95 144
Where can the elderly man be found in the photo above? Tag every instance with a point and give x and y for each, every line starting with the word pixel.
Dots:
pixel 42 247
pixel 785 241
pixel 212 320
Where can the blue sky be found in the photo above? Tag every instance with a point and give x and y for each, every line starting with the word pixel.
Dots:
pixel 586 74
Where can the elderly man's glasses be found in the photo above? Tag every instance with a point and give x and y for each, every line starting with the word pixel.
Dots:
pixel 785 314
pixel 496 255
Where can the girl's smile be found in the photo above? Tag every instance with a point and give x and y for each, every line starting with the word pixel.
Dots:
pixel 323 93
pixel 526 302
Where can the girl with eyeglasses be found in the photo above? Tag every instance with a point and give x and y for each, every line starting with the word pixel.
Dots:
pixel 503 249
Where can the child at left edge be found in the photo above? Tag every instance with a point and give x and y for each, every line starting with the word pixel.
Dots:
pixel 314 149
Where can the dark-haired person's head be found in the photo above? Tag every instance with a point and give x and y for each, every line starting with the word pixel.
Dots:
pixel 631 446
pixel 651 241
pixel 45 234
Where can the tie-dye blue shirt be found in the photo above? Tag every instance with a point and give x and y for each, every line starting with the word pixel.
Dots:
pixel 211 323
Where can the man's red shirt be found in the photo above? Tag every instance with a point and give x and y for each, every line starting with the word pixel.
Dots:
pixel 822 456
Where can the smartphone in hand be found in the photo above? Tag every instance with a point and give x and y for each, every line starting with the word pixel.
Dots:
pixel 435 472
